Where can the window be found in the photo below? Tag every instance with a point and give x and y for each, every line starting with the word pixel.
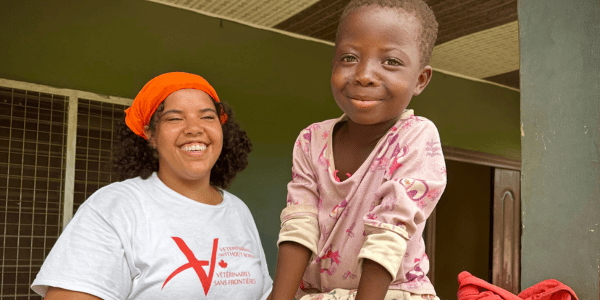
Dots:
pixel 37 167
pixel 95 126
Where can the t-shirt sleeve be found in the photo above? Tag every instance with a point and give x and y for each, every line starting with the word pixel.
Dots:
pixel 87 257
pixel 414 181
pixel 299 219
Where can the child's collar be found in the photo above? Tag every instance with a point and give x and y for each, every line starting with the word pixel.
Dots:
pixel 406 114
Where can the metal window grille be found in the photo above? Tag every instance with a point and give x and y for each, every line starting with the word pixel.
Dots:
pixel 96 122
pixel 32 158
pixel 42 180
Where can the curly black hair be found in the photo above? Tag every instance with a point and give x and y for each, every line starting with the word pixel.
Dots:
pixel 418 8
pixel 133 156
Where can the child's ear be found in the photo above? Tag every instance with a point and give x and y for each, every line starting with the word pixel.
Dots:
pixel 150 136
pixel 423 79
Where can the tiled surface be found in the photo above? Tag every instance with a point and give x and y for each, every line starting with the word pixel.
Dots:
pixel 481 54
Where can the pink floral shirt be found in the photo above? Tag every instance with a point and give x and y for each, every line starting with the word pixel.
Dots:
pixel 378 213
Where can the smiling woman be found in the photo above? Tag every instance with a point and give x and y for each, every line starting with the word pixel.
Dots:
pixel 169 228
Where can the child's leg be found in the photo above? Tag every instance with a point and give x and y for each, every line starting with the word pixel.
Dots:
pixel 341 294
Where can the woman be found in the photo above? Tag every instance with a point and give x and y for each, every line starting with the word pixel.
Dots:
pixel 170 231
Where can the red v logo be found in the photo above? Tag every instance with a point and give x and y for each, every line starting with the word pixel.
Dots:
pixel 196 264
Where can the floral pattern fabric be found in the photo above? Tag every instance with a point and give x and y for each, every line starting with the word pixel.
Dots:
pixel 378 213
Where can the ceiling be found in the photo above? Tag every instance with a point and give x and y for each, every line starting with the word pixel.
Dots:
pixel 477 39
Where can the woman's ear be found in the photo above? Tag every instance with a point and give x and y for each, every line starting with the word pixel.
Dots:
pixel 423 79
pixel 149 134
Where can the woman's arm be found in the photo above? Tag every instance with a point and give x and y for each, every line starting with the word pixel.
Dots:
pixel 292 260
pixel 374 281
pixel 55 293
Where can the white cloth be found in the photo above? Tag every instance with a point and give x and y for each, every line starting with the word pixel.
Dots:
pixel 138 239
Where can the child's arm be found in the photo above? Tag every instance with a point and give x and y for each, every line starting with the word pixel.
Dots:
pixel 415 178
pixel 292 260
pixel 299 232
pixel 374 281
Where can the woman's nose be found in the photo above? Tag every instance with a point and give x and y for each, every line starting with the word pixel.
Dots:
pixel 193 127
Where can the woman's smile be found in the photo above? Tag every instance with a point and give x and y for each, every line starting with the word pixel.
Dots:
pixel 193 147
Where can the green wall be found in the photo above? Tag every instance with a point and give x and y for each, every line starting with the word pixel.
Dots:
pixel 277 84
pixel 472 115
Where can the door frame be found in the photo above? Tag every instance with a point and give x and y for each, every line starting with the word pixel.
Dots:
pixel 499 258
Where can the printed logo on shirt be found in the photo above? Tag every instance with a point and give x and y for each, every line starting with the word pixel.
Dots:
pixel 229 277
pixel 196 264
pixel 224 277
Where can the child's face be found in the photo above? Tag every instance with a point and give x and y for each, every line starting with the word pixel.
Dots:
pixel 376 67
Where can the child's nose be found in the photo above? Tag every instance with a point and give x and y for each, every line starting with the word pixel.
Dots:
pixel 365 74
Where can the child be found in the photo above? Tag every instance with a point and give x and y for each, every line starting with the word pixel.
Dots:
pixel 364 184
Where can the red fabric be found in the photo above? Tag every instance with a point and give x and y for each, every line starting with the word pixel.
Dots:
pixel 156 90
pixel 473 288
pixel 548 290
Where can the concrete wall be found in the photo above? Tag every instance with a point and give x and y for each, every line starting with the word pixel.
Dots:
pixel 560 115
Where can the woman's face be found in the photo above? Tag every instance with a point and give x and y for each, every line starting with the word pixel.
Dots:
pixel 188 137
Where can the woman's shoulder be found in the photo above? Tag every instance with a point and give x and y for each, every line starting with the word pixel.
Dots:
pixel 124 187
pixel 234 200
pixel 237 203
pixel 119 194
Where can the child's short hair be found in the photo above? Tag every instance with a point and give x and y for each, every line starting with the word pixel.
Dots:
pixel 420 9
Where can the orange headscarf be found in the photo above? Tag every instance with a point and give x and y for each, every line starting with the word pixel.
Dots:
pixel 157 90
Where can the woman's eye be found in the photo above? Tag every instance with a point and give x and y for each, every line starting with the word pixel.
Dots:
pixel 209 117
pixel 173 119
pixel 349 58
pixel 392 62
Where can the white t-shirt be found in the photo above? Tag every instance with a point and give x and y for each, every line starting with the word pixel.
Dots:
pixel 138 239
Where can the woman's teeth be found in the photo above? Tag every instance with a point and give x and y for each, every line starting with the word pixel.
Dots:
pixel 194 147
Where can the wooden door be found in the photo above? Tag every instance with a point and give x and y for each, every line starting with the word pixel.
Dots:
pixel 506 256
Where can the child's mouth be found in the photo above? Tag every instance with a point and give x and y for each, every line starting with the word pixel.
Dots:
pixel 363 98
pixel 362 102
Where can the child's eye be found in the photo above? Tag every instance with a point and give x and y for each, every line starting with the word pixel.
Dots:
pixel 172 119
pixel 348 58
pixel 392 62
